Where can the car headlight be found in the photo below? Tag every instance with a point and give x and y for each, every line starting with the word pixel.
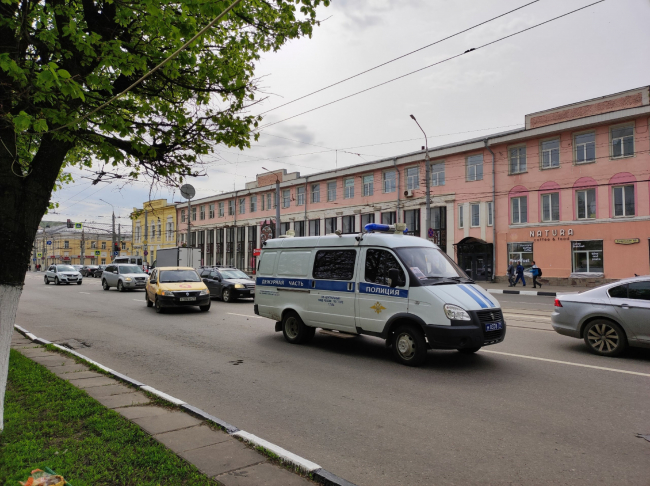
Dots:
pixel 204 292
pixel 168 293
pixel 455 313
pixel 127 279
pixel 239 286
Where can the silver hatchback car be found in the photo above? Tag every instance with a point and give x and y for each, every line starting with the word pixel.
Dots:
pixel 609 318
pixel 124 277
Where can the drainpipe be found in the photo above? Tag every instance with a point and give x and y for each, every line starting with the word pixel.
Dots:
pixel 305 225
pixel 494 219
pixel 397 220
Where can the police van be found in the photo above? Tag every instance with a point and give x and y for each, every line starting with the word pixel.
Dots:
pixel 380 283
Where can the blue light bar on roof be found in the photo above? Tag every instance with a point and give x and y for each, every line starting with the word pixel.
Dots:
pixel 381 228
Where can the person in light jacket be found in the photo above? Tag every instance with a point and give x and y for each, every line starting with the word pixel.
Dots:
pixel 537 272
pixel 520 275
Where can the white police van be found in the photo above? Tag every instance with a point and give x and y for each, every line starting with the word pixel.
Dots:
pixel 381 283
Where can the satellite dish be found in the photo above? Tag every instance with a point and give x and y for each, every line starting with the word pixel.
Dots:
pixel 187 191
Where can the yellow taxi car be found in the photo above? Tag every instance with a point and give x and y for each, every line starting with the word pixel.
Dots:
pixel 176 287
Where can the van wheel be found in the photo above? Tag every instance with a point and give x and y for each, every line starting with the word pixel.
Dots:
pixel 469 350
pixel 409 346
pixel 605 338
pixel 105 285
pixel 295 331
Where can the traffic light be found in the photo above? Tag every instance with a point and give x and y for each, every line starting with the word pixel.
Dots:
pixel 70 225
pixel 116 246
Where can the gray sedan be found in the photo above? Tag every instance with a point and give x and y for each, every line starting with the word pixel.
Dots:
pixel 609 318
pixel 124 277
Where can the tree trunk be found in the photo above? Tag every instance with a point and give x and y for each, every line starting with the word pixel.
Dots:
pixel 24 198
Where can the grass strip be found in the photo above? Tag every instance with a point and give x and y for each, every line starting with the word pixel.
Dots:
pixel 51 423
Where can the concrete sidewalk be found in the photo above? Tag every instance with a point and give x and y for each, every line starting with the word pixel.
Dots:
pixel 216 453
pixel 545 290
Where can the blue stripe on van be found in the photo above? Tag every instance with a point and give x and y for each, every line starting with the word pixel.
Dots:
pixel 481 296
pixel 473 296
pixel 298 283
pixel 334 285
pixel 366 288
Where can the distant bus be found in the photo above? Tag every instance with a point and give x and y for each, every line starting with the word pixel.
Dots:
pixel 134 260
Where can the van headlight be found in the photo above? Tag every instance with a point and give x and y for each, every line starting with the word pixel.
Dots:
pixel 455 313
pixel 239 286
pixel 204 292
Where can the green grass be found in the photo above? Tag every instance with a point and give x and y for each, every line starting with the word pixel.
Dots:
pixel 50 423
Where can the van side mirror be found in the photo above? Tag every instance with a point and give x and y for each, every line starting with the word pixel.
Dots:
pixel 393 276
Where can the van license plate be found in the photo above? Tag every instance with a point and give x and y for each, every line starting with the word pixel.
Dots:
pixel 494 326
pixel 186 299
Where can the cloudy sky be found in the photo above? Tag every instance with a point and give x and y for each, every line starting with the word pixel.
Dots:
pixel 594 52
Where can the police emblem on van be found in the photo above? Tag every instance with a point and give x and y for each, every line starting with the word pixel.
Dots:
pixel 378 308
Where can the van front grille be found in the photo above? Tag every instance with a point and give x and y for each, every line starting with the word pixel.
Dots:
pixel 487 316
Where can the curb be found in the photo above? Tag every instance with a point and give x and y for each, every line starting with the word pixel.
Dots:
pixel 319 474
pixel 526 292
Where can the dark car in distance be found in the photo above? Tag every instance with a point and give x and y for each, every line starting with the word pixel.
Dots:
pixel 87 270
pixel 97 272
pixel 228 284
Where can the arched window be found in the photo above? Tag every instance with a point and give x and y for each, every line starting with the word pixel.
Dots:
pixel 518 205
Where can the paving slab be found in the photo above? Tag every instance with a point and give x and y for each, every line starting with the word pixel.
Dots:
pixel 223 457
pixel 62 371
pixel 82 375
pixel 265 474
pixel 172 420
pixel 108 390
pixel 24 346
pixel 84 383
pixel 125 400
pixel 36 352
pixel 191 438
pixel 52 361
pixel 138 412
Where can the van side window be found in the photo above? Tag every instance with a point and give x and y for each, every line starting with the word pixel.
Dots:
pixel 334 264
pixel 378 262
pixel 267 262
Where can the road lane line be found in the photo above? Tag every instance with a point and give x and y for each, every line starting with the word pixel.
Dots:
pixel 85 293
pixel 137 300
pixel 246 315
pixel 531 328
pixel 568 363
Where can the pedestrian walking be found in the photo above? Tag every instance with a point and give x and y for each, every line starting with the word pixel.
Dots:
pixel 537 272
pixel 520 274
pixel 511 274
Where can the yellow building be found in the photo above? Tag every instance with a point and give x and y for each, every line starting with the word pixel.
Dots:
pixel 154 228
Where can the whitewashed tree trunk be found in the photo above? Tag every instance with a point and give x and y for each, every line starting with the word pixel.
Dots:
pixel 9 297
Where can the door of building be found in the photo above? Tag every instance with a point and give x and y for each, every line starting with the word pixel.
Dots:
pixel 475 258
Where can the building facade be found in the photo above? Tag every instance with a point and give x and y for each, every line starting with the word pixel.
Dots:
pixel 570 190
pixel 154 228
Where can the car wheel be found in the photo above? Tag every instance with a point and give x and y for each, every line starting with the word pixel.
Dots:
pixel 120 286
pixel 47 282
pixel 605 338
pixel 205 308
pixel 227 296
pixel 146 297
pixel 469 350
pixel 295 331
pixel 159 308
pixel 78 283
pixel 105 285
pixel 409 346
pixel 56 281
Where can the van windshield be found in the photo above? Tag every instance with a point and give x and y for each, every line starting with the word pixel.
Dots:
pixel 430 263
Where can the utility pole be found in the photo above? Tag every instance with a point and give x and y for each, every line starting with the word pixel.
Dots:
pixel 146 233
pixel 189 220
pixel 427 217
pixel 83 246
pixel 113 230
pixel 119 236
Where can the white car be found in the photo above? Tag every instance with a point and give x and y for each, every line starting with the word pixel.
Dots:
pixel 62 274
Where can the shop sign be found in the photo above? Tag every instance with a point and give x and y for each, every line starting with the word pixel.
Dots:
pixel 551 235
pixel 627 241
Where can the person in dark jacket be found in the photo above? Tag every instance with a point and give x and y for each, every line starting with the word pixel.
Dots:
pixel 537 272
pixel 520 274
pixel 511 274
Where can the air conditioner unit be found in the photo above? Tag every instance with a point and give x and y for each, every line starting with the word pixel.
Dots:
pixel 408 193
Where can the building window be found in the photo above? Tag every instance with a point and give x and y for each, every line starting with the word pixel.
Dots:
pixel 475 168
pixel 551 207
pixel 586 204
pixel 211 211
pixel 349 188
pixel 300 193
pixel 517 160
pixel 622 142
pixel 221 209
pixel 159 229
pixel 284 227
pixel 519 207
pixel 550 153
pixel 412 178
pixel 475 214
pixel 202 212
pixel 253 203
pixel 315 193
pixel 330 225
pixel 66 244
pixel 242 205
pixel 587 256
pixel 153 231
pixel 93 245
pixel 585 145
pixel 490 211
pixel 286 198
pixel 182 215
pixel 270 200
pixel 412 221
pixel 299 228
pixel 262 199
pixel 194 214
pixel 231 207
pixel 331 191
pixel 438 174
pixel 368 185
pixel 170 229
pixel 103 262
pixel 367 219
pixel 390 181
pixel 521 253
pixel 389 217
pixel 461 216
pixel 314 227
pixel 624 200
pixel 124 245
pixel 348 224
pixel 103 245
pixel 137 232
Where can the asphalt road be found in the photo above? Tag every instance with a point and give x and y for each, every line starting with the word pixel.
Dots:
pixel 498 417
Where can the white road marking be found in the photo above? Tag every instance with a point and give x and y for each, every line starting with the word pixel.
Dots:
pixel 568 363
pixel 245 315
pixel 85 293
pixel 530 328
pixel 137 300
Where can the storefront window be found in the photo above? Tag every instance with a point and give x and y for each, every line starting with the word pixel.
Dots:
pixel 587 256
pixel 521 252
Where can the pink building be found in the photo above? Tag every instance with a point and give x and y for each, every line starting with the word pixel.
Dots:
pixel 570 190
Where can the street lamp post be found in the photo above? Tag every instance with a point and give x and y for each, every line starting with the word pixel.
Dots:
pixel 113 230
pixel 427 218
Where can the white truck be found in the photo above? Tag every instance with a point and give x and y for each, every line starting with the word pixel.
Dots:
pixel 178 257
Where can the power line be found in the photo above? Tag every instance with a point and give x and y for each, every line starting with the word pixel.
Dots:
pixel 429 66
pixel 400 57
